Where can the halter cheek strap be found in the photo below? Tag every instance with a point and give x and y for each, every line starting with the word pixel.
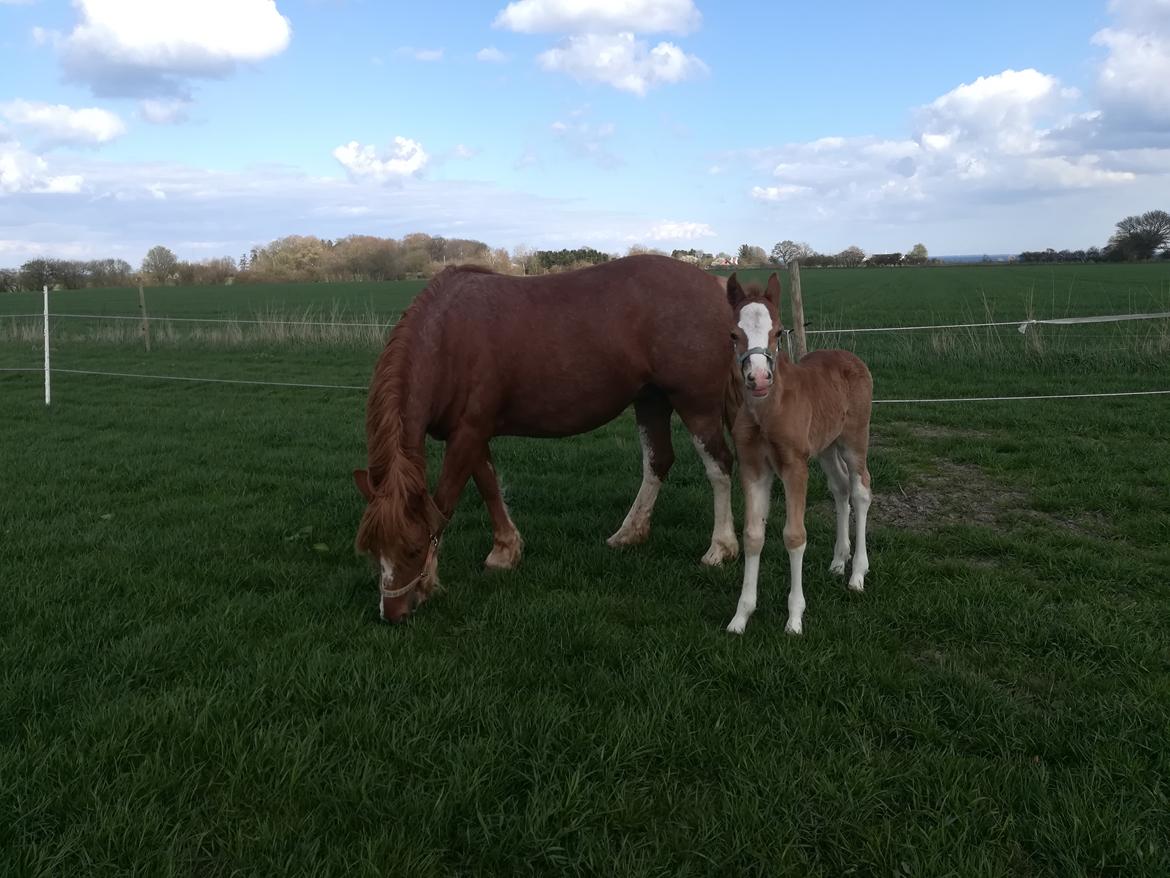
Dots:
pixel 410 586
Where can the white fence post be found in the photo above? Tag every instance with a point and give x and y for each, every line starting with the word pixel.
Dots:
pixel 48 392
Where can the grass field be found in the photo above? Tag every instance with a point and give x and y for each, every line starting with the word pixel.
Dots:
pixel 193 680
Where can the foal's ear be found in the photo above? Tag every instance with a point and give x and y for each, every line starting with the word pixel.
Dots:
pixel 361 478
pixel 735 293
pixel 772 293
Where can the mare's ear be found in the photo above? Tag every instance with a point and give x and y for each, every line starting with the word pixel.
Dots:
pixel 772 293
pixel 735 293
pixel 361 478
pixel 436 521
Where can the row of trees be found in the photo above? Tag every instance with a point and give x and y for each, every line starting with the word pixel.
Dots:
pixel 68 273
pixel 369 258
pixel 786 252
pixel 1136 238
pixel 298 258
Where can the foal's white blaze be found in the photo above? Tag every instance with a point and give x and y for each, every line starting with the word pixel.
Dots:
pixel 756 323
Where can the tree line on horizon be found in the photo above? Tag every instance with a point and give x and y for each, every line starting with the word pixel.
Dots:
pixel 307 258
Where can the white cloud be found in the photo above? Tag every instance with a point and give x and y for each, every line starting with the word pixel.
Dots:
pixel 491 55
pixel 599 16
pixel 463 151
pixel 1132 78
pixel 121 214
pixel 679 231
pixel 777 193
pixel 149 48
pixel 1007 138
pixel 621 60
pixel 527 159
pixel 420 54
pixel 587 140
pixel 363 162
pixel 60 125
pixel 1001 110
pixel 23 171
pixel 163 112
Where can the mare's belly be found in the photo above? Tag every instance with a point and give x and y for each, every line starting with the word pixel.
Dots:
pixel 563 410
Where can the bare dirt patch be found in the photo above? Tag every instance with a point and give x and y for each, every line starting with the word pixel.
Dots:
pixel 954 494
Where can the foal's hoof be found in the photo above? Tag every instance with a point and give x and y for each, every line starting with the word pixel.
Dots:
pixel 627 538
pixel 838 566
pixel 720 552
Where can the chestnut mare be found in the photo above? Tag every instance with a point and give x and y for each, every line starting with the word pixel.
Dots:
pixel 819 406
pixel 480 354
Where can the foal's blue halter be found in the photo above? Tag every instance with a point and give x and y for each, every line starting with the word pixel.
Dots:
pixel 766 353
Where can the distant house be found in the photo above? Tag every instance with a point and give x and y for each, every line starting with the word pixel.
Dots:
pixel 725 260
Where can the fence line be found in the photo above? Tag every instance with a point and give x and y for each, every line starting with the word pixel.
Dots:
pixel 213 380
pixel 363 387
pixel 1021 325
pixel 230 320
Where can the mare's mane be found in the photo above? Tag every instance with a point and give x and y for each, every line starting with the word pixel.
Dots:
pixel 397 473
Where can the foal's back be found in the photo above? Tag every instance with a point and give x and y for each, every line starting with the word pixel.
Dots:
pixel 825 397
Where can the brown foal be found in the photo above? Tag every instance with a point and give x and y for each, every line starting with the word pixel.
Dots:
pixel 791 412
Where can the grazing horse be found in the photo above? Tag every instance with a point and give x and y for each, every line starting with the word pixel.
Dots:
pixel 480 354
pixel 819 406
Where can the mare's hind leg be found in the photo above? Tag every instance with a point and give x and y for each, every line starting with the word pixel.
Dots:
pixel 707 433
pixel 507 545
pixel 837 475
pixel 652 411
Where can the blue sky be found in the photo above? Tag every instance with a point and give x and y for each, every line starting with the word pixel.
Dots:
pixel 212 126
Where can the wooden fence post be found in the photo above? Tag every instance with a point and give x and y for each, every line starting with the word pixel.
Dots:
pixel 145 319
pixel 797 308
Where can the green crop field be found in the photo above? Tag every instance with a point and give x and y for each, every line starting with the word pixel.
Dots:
pixel 194 680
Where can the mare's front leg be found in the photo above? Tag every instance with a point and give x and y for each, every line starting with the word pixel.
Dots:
pixel 507 545
pixel 707 434
pixel 652 411
pixel 794 474
pixel 464 453
pixel 756 476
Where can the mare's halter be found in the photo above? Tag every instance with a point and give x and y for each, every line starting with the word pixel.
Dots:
pixel 410 586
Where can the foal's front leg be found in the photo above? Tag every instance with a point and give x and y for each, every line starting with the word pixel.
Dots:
pixel 756 477
pixel 794 474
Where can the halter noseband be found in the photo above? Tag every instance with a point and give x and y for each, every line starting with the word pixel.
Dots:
pixel 410 586
pixel 766 353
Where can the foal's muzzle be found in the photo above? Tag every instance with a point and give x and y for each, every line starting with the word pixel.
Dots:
pixel 758 381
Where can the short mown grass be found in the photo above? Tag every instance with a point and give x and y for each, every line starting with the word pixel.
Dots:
pixel 193 680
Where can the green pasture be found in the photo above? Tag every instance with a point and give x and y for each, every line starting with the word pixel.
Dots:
pixel 194 680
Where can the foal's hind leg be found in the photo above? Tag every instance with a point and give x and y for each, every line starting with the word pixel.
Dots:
pixel 652 411
pixel 507 545
pixel 837 475
pixel 711 443
pixel 859 486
